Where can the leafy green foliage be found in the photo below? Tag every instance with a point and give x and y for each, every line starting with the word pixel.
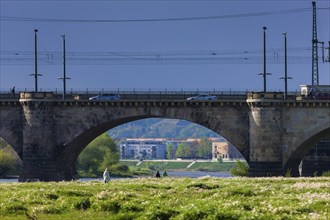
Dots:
pixel 169 198
pixel 10 163
pixel 183 151
pixel 6 162
pixel 204 148
pixel 288 173
pixel 200 149
pixel 241 169
pixel 101 153
pixel 326 173
pixel 169 150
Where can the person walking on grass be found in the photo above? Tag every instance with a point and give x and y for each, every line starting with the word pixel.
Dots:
pixel 106 176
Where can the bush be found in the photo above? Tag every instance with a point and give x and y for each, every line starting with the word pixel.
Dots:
pixel 326 173
pixel 288 173
pixel 7 163
pixel 240 169
pixel 119 168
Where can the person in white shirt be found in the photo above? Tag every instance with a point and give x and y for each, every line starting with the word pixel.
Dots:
pixel 106 176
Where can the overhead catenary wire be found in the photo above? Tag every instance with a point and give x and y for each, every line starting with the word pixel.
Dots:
pixel 243 15
pixel 297 55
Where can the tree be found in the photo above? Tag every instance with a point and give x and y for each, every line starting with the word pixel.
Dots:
pixel 7 162
pixel 179 151
pixel 168 151
pixel 240 169
pixel 204 149
pixel 183 150
pixel 101 153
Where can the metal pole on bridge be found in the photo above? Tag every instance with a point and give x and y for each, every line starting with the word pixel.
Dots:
pixel 264 74
pixel 35 62
pixel 64 69
pixel 285 69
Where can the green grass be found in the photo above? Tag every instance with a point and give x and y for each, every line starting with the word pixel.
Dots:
pixel 176 165
pixel 128 163
pixel 153 165
pixel 169 198
pixel 212 166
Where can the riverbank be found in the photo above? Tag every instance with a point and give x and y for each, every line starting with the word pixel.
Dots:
pixel 180 165
pixel 174 174
pixel 165 198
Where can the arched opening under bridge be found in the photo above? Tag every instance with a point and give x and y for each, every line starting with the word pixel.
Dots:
pixel 158 143
pixel 312 157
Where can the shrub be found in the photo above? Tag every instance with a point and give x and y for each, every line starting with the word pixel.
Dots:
pixel 119 168
pixel 288 173
pixel 7 162
pixel 326 173
pixel 240 169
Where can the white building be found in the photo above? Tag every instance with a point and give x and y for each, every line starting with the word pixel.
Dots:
pixel 142 149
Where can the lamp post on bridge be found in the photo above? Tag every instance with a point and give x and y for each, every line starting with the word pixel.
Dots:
pixel 35 62
pixel 285 69
pixel 264 74
pixel 64 69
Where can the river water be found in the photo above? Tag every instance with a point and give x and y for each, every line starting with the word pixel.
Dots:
pixel 177 174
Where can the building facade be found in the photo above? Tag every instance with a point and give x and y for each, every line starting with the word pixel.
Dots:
pixel 222 150
pixel 142 149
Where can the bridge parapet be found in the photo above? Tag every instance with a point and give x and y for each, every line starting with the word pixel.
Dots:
pixel 276 99
pixel 36 95
pixel 267 95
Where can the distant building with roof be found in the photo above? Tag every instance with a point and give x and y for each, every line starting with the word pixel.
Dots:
pixel 222 150
pixel 142 149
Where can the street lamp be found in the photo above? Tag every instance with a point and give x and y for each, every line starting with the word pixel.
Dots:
pixel 64 69
pixel 35 62
pixel 285 69
pixel 264 74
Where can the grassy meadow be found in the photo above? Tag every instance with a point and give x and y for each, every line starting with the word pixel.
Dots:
pixel 169 198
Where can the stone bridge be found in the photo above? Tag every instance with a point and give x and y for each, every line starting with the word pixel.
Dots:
pixel 271 133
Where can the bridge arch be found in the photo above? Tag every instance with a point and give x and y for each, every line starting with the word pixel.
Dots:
pixel 305 144
pixel 101 121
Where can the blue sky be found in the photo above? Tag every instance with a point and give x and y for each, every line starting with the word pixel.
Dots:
pixel 159 54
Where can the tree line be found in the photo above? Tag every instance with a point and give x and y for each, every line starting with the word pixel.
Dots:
pixel 200 149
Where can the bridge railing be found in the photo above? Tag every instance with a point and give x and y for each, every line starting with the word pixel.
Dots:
pixel 134 94
pixel 157 94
